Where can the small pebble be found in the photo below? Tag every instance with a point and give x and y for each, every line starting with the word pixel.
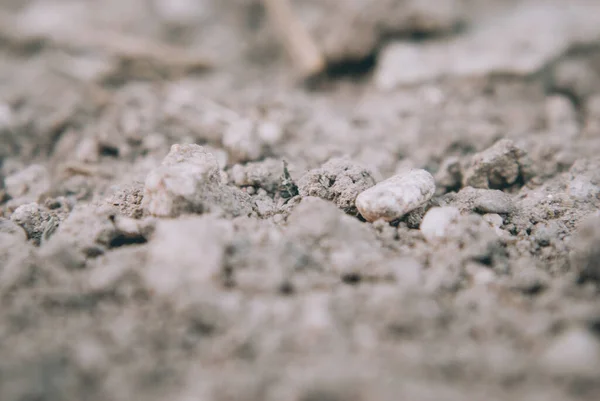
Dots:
pixel 494 220
pixel 396 196
pixel 436 222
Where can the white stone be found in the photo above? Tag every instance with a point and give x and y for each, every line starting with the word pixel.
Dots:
pixel 493 219
pixel 436 222
pixel 396 196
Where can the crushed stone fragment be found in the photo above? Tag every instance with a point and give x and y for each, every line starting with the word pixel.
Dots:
pixel 494 219
pixel 396 196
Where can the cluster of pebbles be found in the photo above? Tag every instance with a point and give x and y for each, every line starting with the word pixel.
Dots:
pixel 189 180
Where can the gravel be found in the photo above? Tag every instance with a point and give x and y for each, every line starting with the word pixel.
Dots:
pixel 394 197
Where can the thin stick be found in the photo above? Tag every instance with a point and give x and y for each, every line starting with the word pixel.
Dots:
pixel 302 49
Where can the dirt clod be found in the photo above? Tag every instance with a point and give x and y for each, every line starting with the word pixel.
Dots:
pixel 188 181
pixel 339 180
pixel 35 220
pixel 498 167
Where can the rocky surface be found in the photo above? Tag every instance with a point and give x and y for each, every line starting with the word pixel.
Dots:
pixel 169 231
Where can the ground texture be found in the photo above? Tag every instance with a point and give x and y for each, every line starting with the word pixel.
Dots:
pixel 136 265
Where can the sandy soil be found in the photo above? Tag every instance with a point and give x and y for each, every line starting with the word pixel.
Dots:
pixel 136 265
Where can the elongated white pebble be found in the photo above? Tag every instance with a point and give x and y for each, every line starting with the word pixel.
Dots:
pixel 396 196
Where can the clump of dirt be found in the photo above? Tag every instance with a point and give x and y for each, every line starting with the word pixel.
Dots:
pixel 179 220
pixel 339 181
